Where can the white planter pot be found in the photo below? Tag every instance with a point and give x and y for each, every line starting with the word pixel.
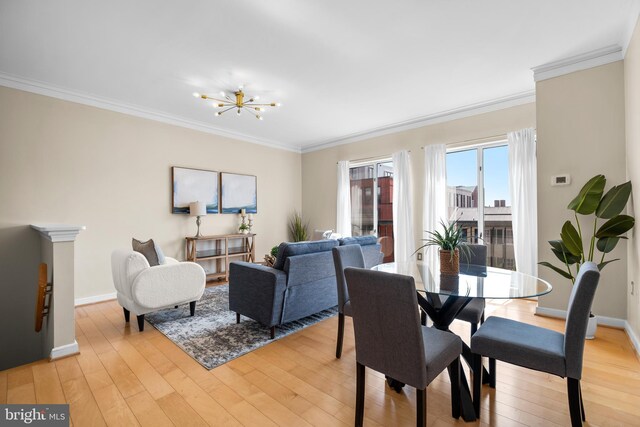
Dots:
pixel 592 325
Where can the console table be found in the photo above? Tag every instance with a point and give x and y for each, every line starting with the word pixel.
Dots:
pixel 221 253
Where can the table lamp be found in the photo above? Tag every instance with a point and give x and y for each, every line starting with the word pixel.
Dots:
pixel 197 209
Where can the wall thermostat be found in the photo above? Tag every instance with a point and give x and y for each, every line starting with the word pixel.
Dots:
pixel 560 180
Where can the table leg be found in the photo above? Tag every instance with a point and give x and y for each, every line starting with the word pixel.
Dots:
pixel 442 317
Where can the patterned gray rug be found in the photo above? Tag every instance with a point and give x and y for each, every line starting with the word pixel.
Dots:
pixel 212 337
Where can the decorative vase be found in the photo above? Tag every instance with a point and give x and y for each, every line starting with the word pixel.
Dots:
pixel 244 231
pixel 449 265
pixel 449 282
pixel 592 326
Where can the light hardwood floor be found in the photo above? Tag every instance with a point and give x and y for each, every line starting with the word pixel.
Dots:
pixel 123 377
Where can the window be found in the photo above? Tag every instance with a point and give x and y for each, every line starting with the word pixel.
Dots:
pixel 369 214
pixel 478 196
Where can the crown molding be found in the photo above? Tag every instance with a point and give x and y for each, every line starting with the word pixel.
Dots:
pixel 580 62
pixel 444 116
pixel 46 89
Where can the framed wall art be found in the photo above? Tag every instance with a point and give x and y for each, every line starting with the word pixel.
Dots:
pixel 194 185
pixel 239 192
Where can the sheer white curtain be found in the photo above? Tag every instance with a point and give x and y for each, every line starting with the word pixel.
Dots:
pixel 435 196
pixel 524 199
pixel 343 216
pixel 404 243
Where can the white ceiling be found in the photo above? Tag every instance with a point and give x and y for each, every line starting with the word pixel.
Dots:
pixel 339 68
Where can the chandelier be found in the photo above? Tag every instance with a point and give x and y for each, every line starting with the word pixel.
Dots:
pixel 239 104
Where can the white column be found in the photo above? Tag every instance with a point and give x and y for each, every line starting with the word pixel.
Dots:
pixel 57 251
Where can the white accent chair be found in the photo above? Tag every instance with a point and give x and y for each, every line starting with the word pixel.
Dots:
pixel 143 289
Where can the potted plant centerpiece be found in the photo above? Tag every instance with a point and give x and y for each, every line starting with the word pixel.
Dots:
pixel 451 242
pixel 592 202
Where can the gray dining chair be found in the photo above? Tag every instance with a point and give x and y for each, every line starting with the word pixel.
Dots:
pixel 473 312
pixel 390 339
pixel 343 257
pixel 541 349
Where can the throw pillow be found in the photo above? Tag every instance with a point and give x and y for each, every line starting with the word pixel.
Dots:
pixel 148 249
pixel 160 254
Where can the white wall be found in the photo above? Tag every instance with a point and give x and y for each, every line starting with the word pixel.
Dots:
pixel 69 163
pixel 580 131
pixel 632 110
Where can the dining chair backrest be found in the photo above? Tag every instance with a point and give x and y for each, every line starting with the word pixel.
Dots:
pixel 387 326
pixel 477 255
pixel 343 257
pixel 578 311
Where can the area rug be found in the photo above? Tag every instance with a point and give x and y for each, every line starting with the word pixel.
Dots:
pixel 212 337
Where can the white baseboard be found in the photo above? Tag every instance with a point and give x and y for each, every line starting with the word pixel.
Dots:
pixel 64 350
pixel 612 322
pixel 632 336
pixel 94 299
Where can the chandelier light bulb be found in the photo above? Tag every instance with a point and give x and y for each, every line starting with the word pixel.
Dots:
pixel 196 94
pixel 218 113
pixel 256 97
pixel 259 117
pixel 223 94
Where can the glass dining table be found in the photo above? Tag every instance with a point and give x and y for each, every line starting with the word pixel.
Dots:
pixel 474 281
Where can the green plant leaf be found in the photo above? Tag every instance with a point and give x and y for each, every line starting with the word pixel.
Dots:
pixel 571 239
pixel 616 226
pixel 562 253
pixel 606 244
pixel 587 201
pixel 603 264
pixel 614 201
pixel 557 270
pixel 565 256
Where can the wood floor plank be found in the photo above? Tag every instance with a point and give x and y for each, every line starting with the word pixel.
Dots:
pixel 47 384
pixel 3 387
pixel 20 386
pixel 114 408
pixel 179 411
pixel 147 411
pixel 82 404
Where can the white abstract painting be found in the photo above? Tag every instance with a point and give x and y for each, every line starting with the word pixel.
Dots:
pixel 239 192
pixel 194 185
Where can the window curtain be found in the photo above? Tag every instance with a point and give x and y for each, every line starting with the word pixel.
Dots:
pixel 404 244
pixel 435 196
pixel 524 202
pixel 343 215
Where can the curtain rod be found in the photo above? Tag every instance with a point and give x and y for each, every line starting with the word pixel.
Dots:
pixel 478 140
pixel 372 159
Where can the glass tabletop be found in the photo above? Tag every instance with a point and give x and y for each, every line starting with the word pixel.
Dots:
pixel 474 281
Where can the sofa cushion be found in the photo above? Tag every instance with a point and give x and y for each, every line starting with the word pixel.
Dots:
pixel 148 249
pixel 358 240
pixel 285 250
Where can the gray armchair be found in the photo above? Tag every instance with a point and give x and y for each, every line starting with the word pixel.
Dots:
pixel 343 257
pixel 541 349
pixel 390 339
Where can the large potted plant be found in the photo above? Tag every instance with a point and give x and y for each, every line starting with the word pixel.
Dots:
pixel 451 242
pixel 574 248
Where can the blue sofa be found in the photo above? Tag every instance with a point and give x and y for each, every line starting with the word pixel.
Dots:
pixel 301 283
